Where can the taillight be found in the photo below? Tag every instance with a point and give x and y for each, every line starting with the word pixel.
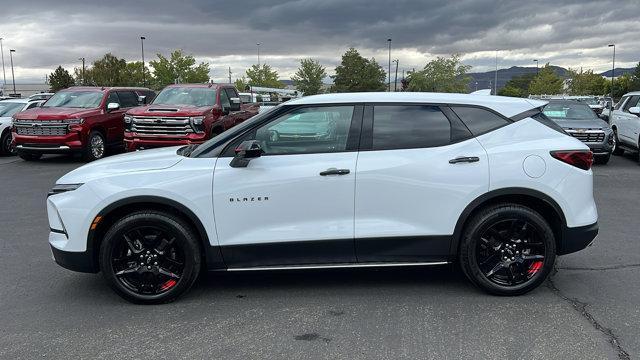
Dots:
pixel 582 159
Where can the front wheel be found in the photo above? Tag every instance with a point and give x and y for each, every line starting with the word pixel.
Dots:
pixel 507 249
pixel 5 144
pixel 95 148
pixel 616 144
pixel 150 257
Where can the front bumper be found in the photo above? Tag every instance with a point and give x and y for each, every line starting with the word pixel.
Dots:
pixel 48 144
pixel 133 142
pixel 577 238
pixel 76 261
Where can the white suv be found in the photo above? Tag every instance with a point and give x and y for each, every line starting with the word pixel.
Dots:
pixel 625 122
pixel 8 108
pixel 339 180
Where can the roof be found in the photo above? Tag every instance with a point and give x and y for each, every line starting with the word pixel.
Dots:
pixel 207 85
pixel 508 106
pixel 22 101
pixel 632 93
pixel 104 88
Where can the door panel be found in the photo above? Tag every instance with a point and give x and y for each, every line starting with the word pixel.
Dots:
pixel 408 201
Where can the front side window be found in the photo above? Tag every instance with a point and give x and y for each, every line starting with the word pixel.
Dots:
pixel 198 96
pixel 479 121
pixel 409 127
pixel 128 99
pixel 75 99
pixel 631 103
pixel 224 99
pixel 113 98
pixel 620 103
pixel 306 131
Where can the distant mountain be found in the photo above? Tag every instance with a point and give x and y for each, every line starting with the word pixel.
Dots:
pixel 485 79
pixel 619 71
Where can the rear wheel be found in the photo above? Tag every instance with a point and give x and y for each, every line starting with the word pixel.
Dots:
pixel 507 249
pixel 150 257
pixel 27 156
pixel 5 144
pixel 95 148
pixel 616 144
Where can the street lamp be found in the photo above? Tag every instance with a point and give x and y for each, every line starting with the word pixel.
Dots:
pixel 4 75
pixel 495 83
pixel 536 61
pixel 395 81
pixel 389 41
pixel 144 80
pixel 613 69
pixel 258 45
pixel 82 70
pixel 11 51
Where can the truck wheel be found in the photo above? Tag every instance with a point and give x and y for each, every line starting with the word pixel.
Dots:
pixel 95 148
pixel 26 156
pixel 5 144
pixel 507 249
pixel 602 159
pixel 150 257
pixel 616 147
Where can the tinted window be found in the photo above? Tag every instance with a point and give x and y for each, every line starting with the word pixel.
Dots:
pixel 113 98
pixel 224 99
pixel 478 120
pixel 231 93
pixel 128 99
pixel 408 127
pixel 631 103
pixel 620 103
pixel 305 131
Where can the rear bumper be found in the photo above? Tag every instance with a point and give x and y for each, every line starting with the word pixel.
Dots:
pixel 577 238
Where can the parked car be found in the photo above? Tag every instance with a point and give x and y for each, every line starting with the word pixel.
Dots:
pixel 385 179
pixel 84 120
pixel 7 109
pixel 625 122
pixel 41 96
pixel 593 103
pixel 579 121
pixel 185 114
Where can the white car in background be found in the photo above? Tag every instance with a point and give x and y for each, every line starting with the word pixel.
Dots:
pixel 625 122
pixel 8 108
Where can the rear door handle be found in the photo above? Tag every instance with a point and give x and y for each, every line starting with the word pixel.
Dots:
pixel 334 171
pixel 464 159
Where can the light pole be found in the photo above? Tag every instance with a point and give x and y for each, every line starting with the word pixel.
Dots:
pixel 11 51
pixel 82 83
pixel 389 41
pixel 144 80
pixel 395 81
pixel 536 61
pixel 4 75
pixel 495 83
pixel 613 69
pixel 258 45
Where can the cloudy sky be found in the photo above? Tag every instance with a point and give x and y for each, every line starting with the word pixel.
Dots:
pixel 568 33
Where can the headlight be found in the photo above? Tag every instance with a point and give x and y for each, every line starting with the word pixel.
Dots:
pixel 196 123
pixel 60 188
pixel 74 121
pixel 197 120
pixel 128 119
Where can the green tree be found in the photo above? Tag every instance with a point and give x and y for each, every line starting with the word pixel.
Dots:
pixel 635 79
pixel 621 85
pixel 241 84
pixel 355 73
pixel 133 75
pixel 586 83
pixel 441 75
pixel 518 86
pixel 263 75
pixel 60 79
pixel 107 71
pixel 178 67
pixel 546 82
pixel 308 78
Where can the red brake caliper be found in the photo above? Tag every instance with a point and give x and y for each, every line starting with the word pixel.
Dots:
pixel 534 267
pixel 170 283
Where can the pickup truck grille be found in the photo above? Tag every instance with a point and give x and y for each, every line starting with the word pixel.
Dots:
pixel 159 125
pixel 588 136
pixel 41 129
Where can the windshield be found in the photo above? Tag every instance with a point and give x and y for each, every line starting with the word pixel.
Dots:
pixel 75 99
pixel 186 96
pixel 590 101
pixel 569 111
pixel 8 108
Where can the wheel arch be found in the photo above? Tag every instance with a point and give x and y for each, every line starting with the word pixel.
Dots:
pixel 110 214
pixel 546 206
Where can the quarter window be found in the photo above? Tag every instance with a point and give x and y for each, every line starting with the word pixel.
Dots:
pixel 409 127
pixel 479 121
pixel 306 131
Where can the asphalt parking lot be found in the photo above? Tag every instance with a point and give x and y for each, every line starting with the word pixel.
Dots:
pixel 588 310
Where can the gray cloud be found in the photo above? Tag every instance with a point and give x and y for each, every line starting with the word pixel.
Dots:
pixel 564 32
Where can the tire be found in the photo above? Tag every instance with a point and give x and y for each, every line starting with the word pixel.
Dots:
pixel 96 147
pixel 27 156
pixel 517 237
pixel 139 268
pixel 616 148
pixel 5 144
pixel 602 159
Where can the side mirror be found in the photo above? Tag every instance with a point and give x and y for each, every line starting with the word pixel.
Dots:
pixel 634 110
pixel 235 104
pixel 142 99
pixel 112 106
pixel 245 152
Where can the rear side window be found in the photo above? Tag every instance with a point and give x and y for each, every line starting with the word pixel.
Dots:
pixel 479 121
pixel 409 127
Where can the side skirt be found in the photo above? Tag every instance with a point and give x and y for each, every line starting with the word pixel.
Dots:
pixel 335 266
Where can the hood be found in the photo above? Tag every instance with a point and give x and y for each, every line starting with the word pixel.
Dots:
pixel 5 119
pixel 146 160
pixel 169 110
pixel 595 123
pixel 55 113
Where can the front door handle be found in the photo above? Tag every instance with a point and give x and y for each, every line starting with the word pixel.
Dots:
pixel 464 159
pixel 334 171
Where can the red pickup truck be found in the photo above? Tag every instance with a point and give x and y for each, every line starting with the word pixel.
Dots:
pixel 85 120
pixel 185 114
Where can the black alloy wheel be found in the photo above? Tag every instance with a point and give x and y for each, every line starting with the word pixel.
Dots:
pixel 150 257
pixel 507 249
pixel 5 144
